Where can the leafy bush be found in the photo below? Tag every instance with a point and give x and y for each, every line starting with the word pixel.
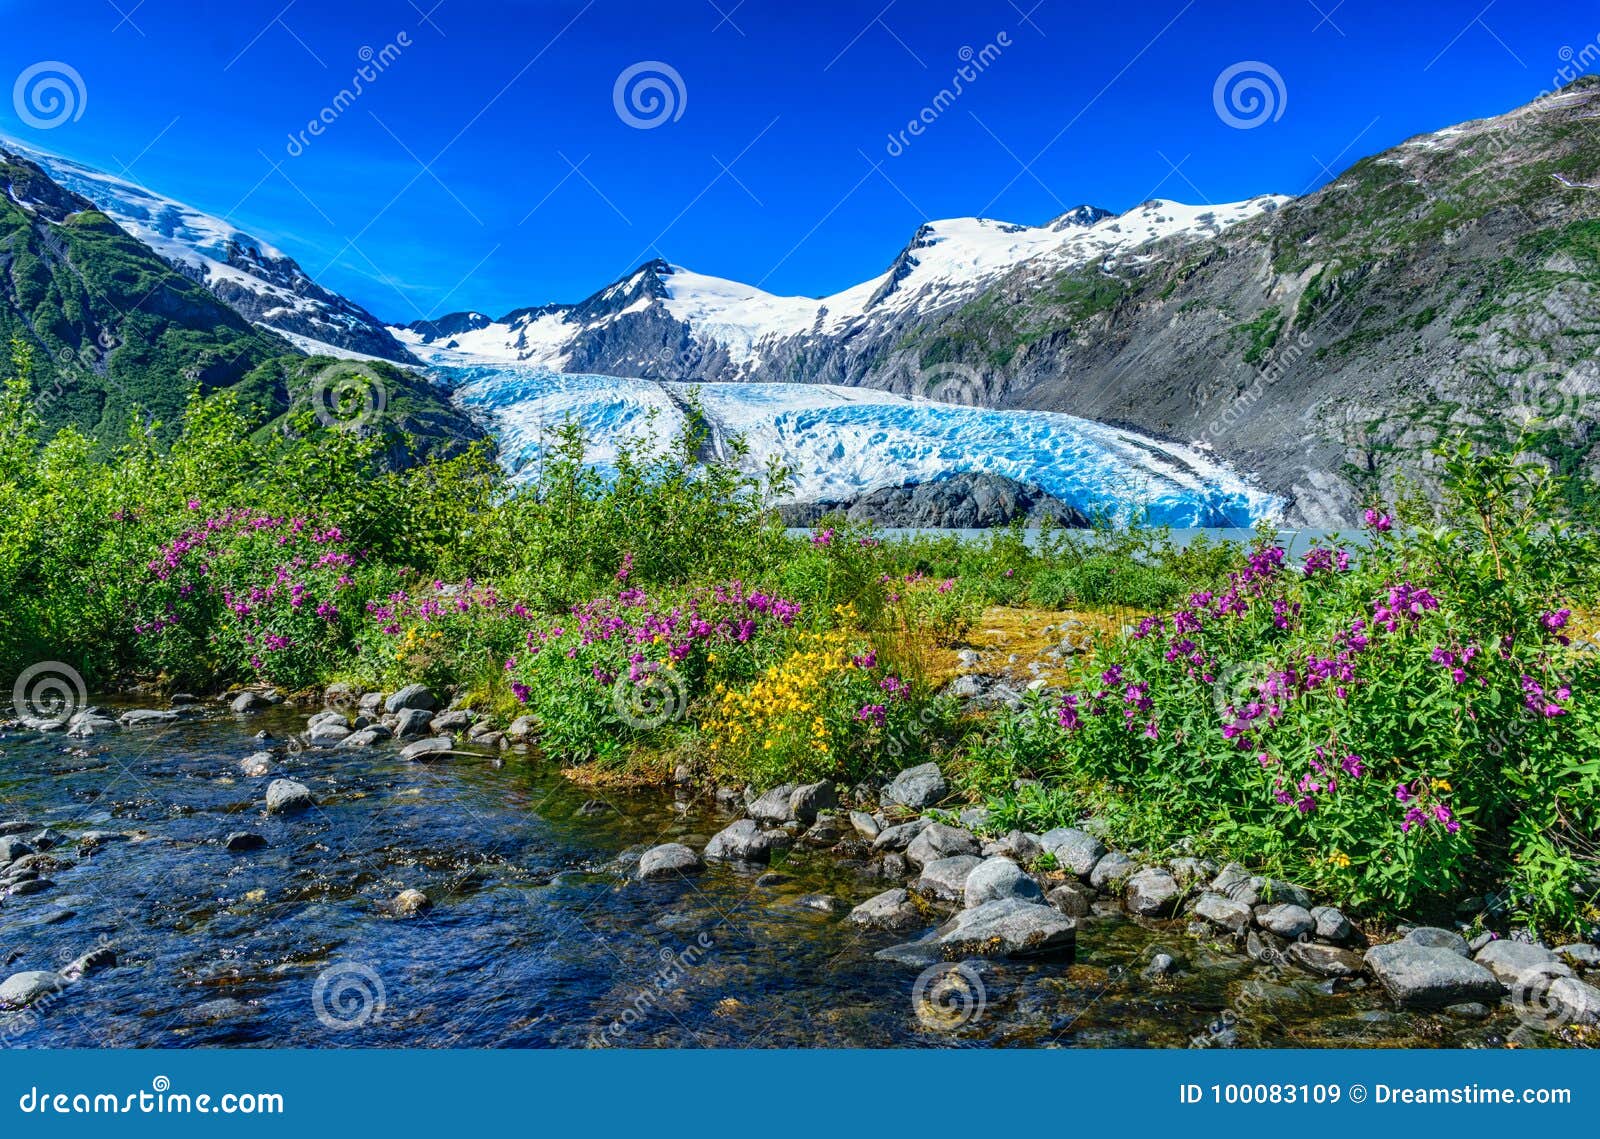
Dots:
pixel 1402 727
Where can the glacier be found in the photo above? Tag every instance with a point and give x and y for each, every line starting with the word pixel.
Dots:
pixel 844 441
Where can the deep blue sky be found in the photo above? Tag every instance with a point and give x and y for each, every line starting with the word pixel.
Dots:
pixel 1100 100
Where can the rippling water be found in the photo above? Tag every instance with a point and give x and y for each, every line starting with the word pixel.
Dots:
pixel 537 937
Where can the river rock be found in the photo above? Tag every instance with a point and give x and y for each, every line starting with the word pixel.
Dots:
pixel 668 860
pixel 91 841
pixel 892 909
pixel 1192 871
pixel 12 848
pixel 408 903
pixel 996 878
pixel 1325 960
pixel 326 716
pixel 938 841
pixel 1581 954
pixel 1434 938
pixel 1019 846
pixel 808 800
pixel 522 729
pixel 47 839
pixel 409 723
pixel 1286 920
pixel 1274 891
pixel 28 886
pixel 258 763
pixel 428 750
pixel 250 701
pixel 822 903
pixel 328 735
pixel 370 704
pixel 418 696
pixel 899 837
pixel 866 826
pixel 1073 899
pixel 1111 871
pixel 772 807
pixel 1572 1000
pixel 285 796
pixel 1511 960
pixel 22 989
pixel 149 717
pixel 1152 892
pixel 102 957
pixel 827 830
pixel 946 878
pixel 916 787
pixel 1075 851
pixel 1332 925
pixel 366 737
pixel 1219 909
pixel 1007 927
pixel 1426 976
pixel 745 841
pixel 455 720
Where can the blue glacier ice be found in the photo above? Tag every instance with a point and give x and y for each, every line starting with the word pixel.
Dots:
pixel 842 441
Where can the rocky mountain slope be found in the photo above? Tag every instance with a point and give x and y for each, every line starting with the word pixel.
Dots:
pixel 116 329
pixel 1322 344
pixel 263 284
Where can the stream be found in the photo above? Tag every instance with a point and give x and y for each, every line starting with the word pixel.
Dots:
pixel 538 934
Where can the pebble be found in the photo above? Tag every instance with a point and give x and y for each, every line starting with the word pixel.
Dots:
pixel 410 902
pixel 285 796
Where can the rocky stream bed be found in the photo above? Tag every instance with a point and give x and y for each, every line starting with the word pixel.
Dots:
pixel 385 874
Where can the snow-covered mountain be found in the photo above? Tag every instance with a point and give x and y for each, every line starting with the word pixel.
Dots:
pixel 262 283
pixel 667 322
pixel 844 441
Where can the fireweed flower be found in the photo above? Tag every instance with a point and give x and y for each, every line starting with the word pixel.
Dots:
pixel 1382 523
pixel 873 714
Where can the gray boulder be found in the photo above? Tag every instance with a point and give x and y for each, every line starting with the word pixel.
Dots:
pixel 1075 851
pixel 899 837
pixel 1573 1001
pixel 1219 909
pixel 807 801
pixel 149 717
pixel 996 878
pixel 668 860
pixel 328 735
pixel 1019 846
pixel 1434 938
pixel 1332 925
pixel 772 807
pixel 366 737
pixel 285 796
pixel 1111 871
pixel 1510 960
pixel 12 848
pixel 1073 899
pixel 938 841
pixel 916 787
pixel 745 841
pixel 240 841
pixel 1325 960
pixel 411 722
pixel 250 702
pixel 1286 920
pixel 412 696
pixel 866 826
pixel 1580 954
pixel 1007 927
pixel 945 879
pixel 892 909
pixel 22 989
pixel 1427 976
pixel 428 750
pixel 1152 892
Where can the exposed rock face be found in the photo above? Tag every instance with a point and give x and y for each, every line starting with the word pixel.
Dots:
pixel 970 500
